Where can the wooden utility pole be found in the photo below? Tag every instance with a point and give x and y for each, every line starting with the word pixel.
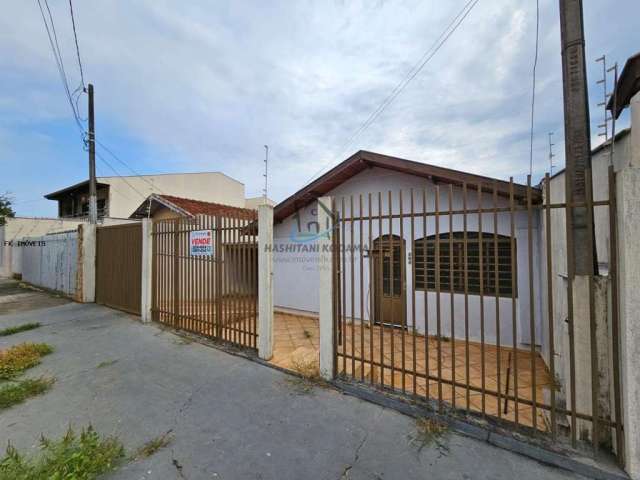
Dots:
pixel 93 203
pixel 577 134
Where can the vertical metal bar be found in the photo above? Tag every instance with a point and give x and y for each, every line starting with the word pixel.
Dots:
pixel 360 246
pixel 335 265
pixel 402 292
pixel 481 281
pixel 391 273
pixel 465 255
pixel 371 291
pixel 532 325
pixel 154 269
pixel 438 278
pixel 496 286
pixel 352 288
pixel 615 326
pixel 414 332
pixel 425 282
pixel 552 352
pixel 344 289
pixel 452 300
pixel 514 319
pixel 380 288
pixel 176 272
pixel 595 377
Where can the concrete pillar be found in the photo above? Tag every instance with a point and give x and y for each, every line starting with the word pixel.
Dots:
pixel 147 270
pixel 265 282
pixel 87 263
pixel 325 267
pixel 628 200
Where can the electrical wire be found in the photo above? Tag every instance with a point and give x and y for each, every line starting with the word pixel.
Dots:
pixel 108 164
pixel 533 87
pixel 55 48
pixel 75 36
pixel 411 74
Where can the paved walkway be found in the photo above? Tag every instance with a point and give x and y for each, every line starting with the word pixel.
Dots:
pixel 231 418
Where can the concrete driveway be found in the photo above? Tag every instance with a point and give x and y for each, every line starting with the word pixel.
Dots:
pixel 231 418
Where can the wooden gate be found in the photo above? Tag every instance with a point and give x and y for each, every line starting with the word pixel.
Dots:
pixel 205 276
pixel 119 266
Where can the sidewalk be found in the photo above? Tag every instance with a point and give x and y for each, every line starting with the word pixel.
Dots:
pixel 231 418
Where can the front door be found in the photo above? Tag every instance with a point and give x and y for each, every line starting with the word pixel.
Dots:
pixel 389 286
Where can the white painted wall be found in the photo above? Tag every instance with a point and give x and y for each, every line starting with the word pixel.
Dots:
pixel 127 193
pixel 22 227
pixel 51 261
pixel 296 274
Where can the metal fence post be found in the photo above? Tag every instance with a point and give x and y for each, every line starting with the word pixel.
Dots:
pixel 147 270
pixel 325 267
pixel 265 281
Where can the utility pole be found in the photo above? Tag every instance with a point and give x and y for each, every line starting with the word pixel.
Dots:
pixel 266 170
pixel 577 135
pixel 551 154
pixel 93 203
pixel 582 263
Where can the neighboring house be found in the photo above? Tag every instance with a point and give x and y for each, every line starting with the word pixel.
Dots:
pixel 160 207
pixel 295 269
pixel 119 197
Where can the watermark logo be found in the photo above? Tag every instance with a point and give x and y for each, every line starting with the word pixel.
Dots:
pixel 313 231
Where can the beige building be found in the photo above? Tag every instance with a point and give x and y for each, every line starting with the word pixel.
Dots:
pixel 119 197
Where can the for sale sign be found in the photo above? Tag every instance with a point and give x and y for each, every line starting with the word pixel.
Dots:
pixel 201 243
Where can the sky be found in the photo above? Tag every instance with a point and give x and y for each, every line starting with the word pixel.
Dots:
pixel 203 86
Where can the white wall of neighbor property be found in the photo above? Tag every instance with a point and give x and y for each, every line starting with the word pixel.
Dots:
pixel 21 227
pixel 296 277
pixel 207 186
pixel 51 261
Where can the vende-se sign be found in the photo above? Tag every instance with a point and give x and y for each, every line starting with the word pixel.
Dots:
pixel 201 243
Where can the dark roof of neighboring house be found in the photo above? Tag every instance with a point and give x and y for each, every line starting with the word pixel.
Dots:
pixel 78 187
pixel 628 85
pixel 362 160
pixel 188 207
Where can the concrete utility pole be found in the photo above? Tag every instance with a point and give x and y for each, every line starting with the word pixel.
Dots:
pixel 577 134
pixel 93 203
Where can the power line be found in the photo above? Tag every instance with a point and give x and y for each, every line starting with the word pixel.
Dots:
pixel 75 37
pixel 411 74
pixel 55 48
pixel 533 89
pixel 126 165
pixel 106 162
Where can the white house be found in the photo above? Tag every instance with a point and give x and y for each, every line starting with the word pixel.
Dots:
pixel 408 300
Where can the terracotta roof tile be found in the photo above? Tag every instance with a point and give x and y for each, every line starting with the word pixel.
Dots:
pixel 198 207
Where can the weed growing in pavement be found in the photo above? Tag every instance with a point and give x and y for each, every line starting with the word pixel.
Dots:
pixel 107 363
pixel 430 432
pixel 309 376
pixel 18 328
pixel 17 359
pixel 13 393
pixel 153 445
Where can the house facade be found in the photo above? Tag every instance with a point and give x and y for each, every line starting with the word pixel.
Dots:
pixel 118 197
pixel 402 287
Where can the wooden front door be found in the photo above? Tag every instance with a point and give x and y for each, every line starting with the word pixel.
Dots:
pixel 388 259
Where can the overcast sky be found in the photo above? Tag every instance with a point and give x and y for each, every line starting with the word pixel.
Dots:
pixel 202 86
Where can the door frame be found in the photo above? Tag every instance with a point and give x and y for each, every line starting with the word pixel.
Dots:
pixel 375 276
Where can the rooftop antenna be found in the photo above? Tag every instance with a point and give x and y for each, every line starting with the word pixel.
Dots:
pixel 551 154
pixel 613 69
pixel 266 170
pixel 604 127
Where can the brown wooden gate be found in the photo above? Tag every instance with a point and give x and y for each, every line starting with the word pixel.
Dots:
pixel 119 266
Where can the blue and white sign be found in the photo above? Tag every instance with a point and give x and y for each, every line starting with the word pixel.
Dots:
pixel 201 243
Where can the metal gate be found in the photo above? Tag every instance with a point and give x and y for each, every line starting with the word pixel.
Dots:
pixel 476 316
pixel 119 266
pixel 211 292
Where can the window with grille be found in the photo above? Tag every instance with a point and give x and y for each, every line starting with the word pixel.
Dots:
pixel 486 254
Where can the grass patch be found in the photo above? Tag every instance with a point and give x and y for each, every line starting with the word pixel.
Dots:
pixel 73 457
pixel 430 432
pixel 107 363
pixel 17 392
pixel 309 376
pixel 18 328
pixel 153 445
pixel 17 359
